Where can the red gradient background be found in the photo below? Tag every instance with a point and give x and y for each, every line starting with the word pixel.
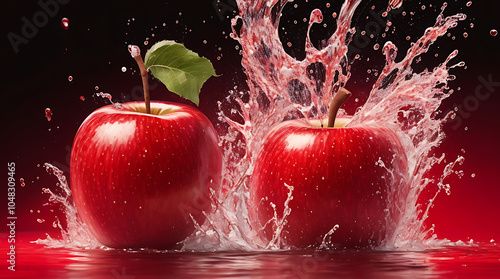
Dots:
pixel 94 49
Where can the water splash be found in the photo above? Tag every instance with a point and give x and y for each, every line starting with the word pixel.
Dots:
pixel 76 234
pixel 281 87
pixel 327 239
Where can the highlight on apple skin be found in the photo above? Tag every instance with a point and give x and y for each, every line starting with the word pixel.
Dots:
pixel 353 177
pixel 139 179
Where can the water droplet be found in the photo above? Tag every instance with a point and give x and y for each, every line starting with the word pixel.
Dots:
pixel 408 38
pixel 205 42
pixel 376 46
pixel 82 98
pixel 48 114
pixel 334 15
pixel 472 25
pixel 40 220
pixel 70 78
pixel 124 69
pixel 21 180
pixel 96 88
pixel 473 175
pixel 65 23
pixel 146 42
pixel 423 7
pixel 493 32
pixel 289 44
pixel 469 4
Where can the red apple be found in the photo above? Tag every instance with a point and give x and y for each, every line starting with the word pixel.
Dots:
pixel 136 178
pixel 346 176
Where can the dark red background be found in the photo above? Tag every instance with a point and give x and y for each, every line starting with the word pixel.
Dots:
pixel 93 51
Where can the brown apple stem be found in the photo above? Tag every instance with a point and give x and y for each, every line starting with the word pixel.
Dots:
pixel 136 54
pixel 337 101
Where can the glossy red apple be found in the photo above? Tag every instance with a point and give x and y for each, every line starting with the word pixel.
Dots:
pixel 346 176
pixel 136 178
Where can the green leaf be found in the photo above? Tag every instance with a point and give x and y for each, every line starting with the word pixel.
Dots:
pixel 180 69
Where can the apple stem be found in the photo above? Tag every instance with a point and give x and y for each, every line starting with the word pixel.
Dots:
pixel 337 101
pixel 136 54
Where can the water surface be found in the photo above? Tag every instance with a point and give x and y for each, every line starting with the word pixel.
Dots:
pixel 466 261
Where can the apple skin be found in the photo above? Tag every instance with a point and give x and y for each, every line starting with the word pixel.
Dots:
pixel 336 180
pixel 136 177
